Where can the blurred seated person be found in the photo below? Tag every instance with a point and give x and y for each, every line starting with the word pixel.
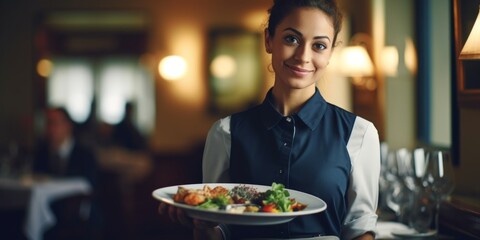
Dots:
pixel 123 150
pixel 126 134
pixel 59 154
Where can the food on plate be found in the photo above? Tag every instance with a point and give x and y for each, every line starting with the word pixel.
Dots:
pixel 241 198
pixel 195 197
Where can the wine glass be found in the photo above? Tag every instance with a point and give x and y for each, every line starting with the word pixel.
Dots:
pixel 401 185
pixel 421 214
pixel 438 179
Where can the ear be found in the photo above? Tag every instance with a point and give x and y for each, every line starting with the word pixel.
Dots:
pixel 268 41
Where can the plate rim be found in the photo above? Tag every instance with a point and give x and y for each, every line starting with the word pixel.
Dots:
pixel 245 214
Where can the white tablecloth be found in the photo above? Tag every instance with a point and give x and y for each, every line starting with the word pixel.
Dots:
pixel 39 215
pixel 385 229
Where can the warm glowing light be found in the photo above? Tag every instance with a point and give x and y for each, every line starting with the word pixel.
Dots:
pixel 44 67
pixel 223 66
pixel 390 60
pixel 356 62
pixel 410 56
pixel 471 49
pixel 172 67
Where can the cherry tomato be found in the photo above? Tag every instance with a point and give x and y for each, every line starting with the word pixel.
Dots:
pixel 271 207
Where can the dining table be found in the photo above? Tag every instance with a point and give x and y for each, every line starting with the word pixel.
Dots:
pixel 35 194
pixel 396 230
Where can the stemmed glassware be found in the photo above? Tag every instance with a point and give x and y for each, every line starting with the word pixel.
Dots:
pixel 414 184
pixel 400 183
pixel 421 212
pixel 438 179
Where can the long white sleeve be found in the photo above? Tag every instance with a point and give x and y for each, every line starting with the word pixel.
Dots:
pixel 364 150
pixel 216 155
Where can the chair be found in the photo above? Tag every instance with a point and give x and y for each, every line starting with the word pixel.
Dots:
pixel 13 208
pixel 73 215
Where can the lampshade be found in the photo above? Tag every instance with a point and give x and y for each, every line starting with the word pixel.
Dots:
pixel 356 62
pixel 471 49
pixel 390 60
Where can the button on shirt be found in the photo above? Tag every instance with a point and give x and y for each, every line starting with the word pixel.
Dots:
pixel 322 150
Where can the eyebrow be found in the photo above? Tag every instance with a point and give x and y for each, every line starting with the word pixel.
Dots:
pixel 299 33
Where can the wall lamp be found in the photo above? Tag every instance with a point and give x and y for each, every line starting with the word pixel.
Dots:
pixel 389 61
pixel 471 49
pixel 172 67
pixel 357 64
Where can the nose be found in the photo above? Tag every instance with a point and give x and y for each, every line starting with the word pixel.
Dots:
pixel 303 53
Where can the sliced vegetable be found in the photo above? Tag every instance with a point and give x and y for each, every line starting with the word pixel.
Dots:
pixel 209 204
pixel 216 202
pixel 270 208
pixel 279 196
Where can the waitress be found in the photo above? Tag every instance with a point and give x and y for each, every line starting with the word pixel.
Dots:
pixel 297 138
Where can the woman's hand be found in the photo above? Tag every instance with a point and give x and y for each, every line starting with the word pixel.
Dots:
pixel 366 236
pixel 176 215
pixel 203 230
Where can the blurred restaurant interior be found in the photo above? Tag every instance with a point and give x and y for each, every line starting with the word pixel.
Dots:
pixel 182 64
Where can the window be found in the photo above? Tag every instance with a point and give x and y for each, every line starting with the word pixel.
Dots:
pixel 110 83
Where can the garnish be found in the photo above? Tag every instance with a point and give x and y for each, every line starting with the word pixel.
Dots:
pixel 278 196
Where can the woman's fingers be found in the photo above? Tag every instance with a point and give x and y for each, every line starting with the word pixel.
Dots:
pixel 162 208
pixel 183 218
pixel 178 215
pixel 172 213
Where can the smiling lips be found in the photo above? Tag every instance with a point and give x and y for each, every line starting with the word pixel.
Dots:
pixel 300 72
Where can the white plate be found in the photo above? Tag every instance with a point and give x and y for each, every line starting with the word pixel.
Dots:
pixel 412 233
pixel 314 205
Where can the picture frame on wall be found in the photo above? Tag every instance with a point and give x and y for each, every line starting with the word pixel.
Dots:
pixel 466 72
pixel 234 70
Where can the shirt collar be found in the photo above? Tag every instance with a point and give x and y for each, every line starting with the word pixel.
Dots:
pixel 310 114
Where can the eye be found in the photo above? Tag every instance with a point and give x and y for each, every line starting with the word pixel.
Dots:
pixel 291 39
pixel 319 46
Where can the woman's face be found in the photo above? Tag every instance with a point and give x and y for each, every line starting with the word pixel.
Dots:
pixel 301 48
